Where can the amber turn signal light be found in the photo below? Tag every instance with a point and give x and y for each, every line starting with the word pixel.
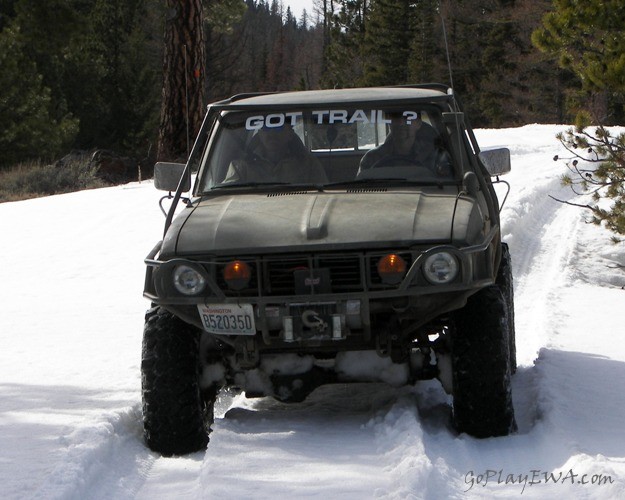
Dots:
pixel 237 274
pixel 391 269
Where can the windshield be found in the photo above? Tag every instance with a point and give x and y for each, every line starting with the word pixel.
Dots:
pixel 324 147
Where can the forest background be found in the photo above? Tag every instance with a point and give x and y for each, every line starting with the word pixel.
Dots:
pixel 88 74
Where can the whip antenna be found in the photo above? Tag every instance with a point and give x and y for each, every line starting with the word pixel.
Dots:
pixel 456 115
pixel 451 78
pixel 186 95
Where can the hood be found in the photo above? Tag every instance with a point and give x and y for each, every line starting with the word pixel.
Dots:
pixel 296 221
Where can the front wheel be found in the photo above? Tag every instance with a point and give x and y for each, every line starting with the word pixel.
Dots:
pixel 506 285
pixel 177 413
pixel 482 398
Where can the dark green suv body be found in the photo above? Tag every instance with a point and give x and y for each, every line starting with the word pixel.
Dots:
pixel 330 236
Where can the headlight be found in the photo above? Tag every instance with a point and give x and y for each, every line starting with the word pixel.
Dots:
pixel 188 280
pixel 391 269
pixel 237 274
pixel 440 268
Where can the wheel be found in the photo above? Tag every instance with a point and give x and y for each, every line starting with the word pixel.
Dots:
pixel 177 413
pixel 505 283
pixel 482 399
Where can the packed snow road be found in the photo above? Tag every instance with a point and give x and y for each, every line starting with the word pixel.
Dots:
pixel 70 419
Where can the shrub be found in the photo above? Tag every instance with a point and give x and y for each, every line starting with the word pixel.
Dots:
pixel 31 180
pixel 597 168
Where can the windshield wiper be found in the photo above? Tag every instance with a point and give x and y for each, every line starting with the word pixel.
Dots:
pixel 365 181
pixel 272 184
pixel 232 185
pixel 396 180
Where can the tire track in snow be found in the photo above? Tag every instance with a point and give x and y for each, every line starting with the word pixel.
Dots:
pixel 104 459
pixel 331 442
pixel 400 434
pixel 541 233
pixel 543 236
pixel 539 282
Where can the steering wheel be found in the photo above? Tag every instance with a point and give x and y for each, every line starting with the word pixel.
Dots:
pixel 387 160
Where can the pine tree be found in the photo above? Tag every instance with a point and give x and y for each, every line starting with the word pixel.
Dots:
pixel 30 128
pixel 343 56
pixel 123 88
pixel 182 108
pixel 597 169
pixel 227 46
pixel 387 42
pixel 96 62
pixel 427 61
pixel 537 85
pixel 53 34
pixel 586 37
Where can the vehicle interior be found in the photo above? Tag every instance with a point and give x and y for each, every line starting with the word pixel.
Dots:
pixel 338 139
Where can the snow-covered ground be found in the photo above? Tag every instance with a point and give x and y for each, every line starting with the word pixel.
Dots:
pixel 71 316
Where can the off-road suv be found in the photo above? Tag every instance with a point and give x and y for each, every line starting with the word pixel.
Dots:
pixel 330 236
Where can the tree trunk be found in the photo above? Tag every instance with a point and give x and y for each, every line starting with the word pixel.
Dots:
pixel 182 107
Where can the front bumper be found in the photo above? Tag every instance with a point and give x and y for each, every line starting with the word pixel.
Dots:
pixel 343 313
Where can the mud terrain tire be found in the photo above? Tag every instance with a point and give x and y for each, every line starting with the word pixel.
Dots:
pixel 482 400
pixel 506 284
pixel 176 412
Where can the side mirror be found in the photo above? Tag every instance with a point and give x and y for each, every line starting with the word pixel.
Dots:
pixel 496 161
pixel 167 176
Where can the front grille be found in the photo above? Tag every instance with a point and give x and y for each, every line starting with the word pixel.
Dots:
pixel 344 271
pixel 278 275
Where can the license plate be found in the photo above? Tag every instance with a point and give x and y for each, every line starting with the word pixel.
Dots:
pixel 228 319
